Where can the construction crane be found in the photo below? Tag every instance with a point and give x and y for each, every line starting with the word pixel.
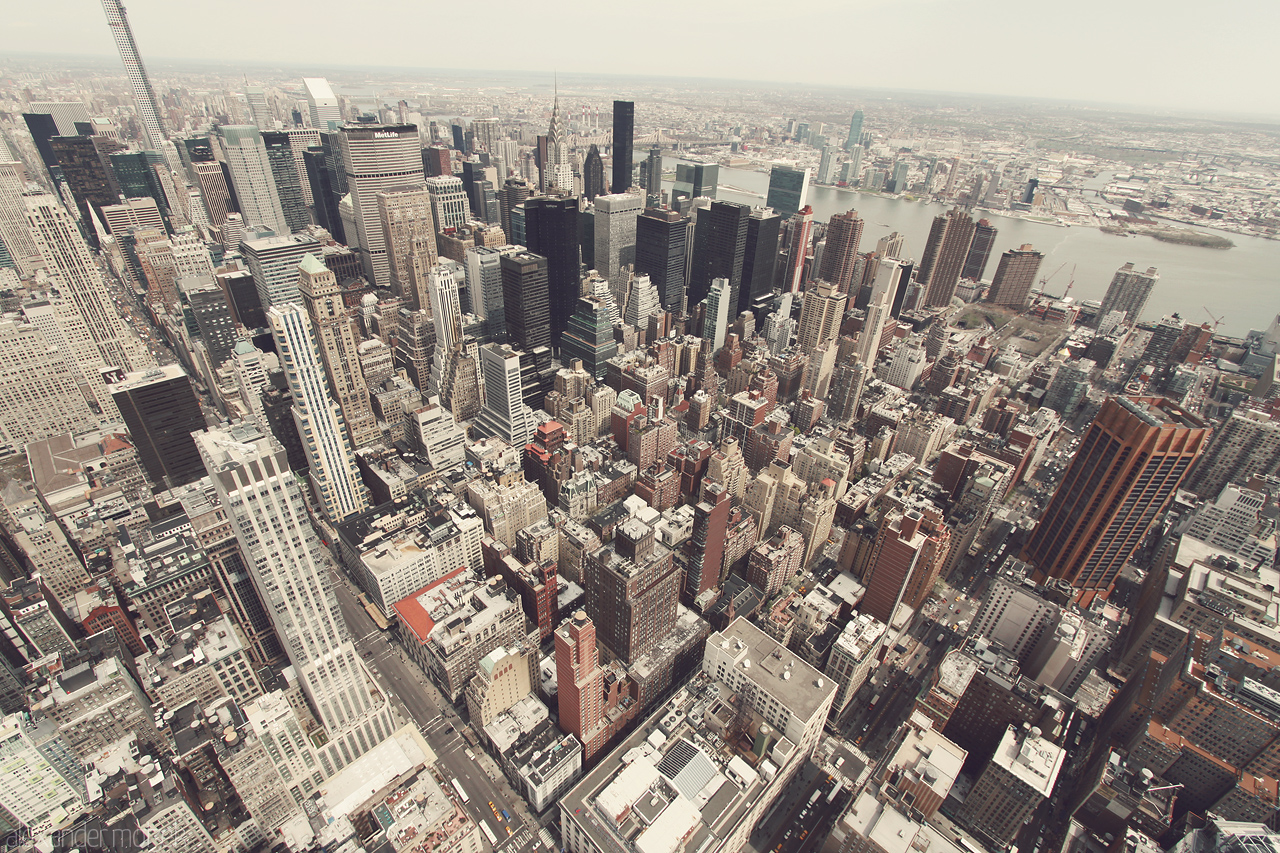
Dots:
pixel 1217 321
pixel 1047 278
pixel 1070 283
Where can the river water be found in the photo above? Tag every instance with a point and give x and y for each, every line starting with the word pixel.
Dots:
pixel 1241 285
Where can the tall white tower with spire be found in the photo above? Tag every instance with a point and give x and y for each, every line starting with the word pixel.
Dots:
pixel 557 172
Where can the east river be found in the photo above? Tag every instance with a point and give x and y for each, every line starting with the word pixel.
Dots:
pixel 1241 284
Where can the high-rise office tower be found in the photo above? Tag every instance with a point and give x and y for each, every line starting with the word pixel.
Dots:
pixel 410 233
pixel 788 189
pixel 144 97
pixel 273 263
pixel 378 159
pixel 653 178
pixel 593 174
pixel 505 414
pixel 1129 464
pixel 797 254
pixel 525 298
pixel 551 230
pixel 661 249
pixel 320 295
pixel 944 254
pixel 1246 445
pixel 760 260
pixel 291 570
pixel 284 173
pixel 1128 292
pixel 624 128
pixel 615 238
pixel 580 691
pixel 844 232
pixel 480 181
pixel 975 263
pixel 820 316
pixel 446 312
pixel 589 337
pixel 255 98
pixel 887 282
pixel 246 157
pixel 15 233
pixel 450 204
pixel 715 323
pixel 1015 275
pixel 44 785
pixel 211 180
pixel 67 258
pixel 514 192
pixel 322 105
pixel 695 180
pixel 161 410
pixel 331 462
pixel 436 161
pixel 720 246
pixel 484 285
pixel 855 131
pixel 83 163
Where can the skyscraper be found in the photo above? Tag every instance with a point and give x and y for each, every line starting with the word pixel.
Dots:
pixel 844 232
pixel 144 97
pixel 820 316
pixel 484 286
pixel 788 189
pixel 409 229
pixel 855 131
pixel 1129 464
pixel 944 256
pixel 284 173
pixel 322 105
pixel 211 180
pixel 1128 292
pixel 331 463
pixel 290 569
pixel 255 98
pixel 14 230
pixel 1015 275
pixel 160 408
pixel 378 158
pixel 246 157
pixel 526 301
pixel 318 289
pixel 589 337
pixel 505 414
pixel 615 238
pixel 661 249
pixel 580 682
pixel 82 161
pixel 624 128
pixel 557 167
pixel 653 178
pixel 551 230
pixel 887 282
pixel 715 322
pixel 593 174
pixel 449 202
pixel 760 260
pixel 514 191
pixel 801 243
pixel 975 263
pixel 67 256
pixel 720 245
pixel 695 180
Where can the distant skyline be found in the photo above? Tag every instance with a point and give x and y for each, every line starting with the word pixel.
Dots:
pixel 1164 54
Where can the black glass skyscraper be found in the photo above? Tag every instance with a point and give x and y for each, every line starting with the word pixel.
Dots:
pixel 136 178
pixel 83 163
pixel 324 206
pixel 285 176
pixel 720 244
pixel 760 261
pixel 975 263
pixel 161 411
pixel 593 174
pixel 525 301
pixel 43 129
pixel 662 238
pixel 551 230
pixel 624 131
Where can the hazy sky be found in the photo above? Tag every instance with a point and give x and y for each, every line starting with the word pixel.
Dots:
pixel 1183 54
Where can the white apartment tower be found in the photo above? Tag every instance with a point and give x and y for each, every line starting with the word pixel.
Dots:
pixel 378 158
pixel 14 230
pixel 331 461
pixel 888 279
pixel 322 104
pixel 505 414
pixel 449 203
pixel 246 158
pixel 290 569
pixel 143 95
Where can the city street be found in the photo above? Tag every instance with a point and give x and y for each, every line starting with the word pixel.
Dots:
pixel 420 702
